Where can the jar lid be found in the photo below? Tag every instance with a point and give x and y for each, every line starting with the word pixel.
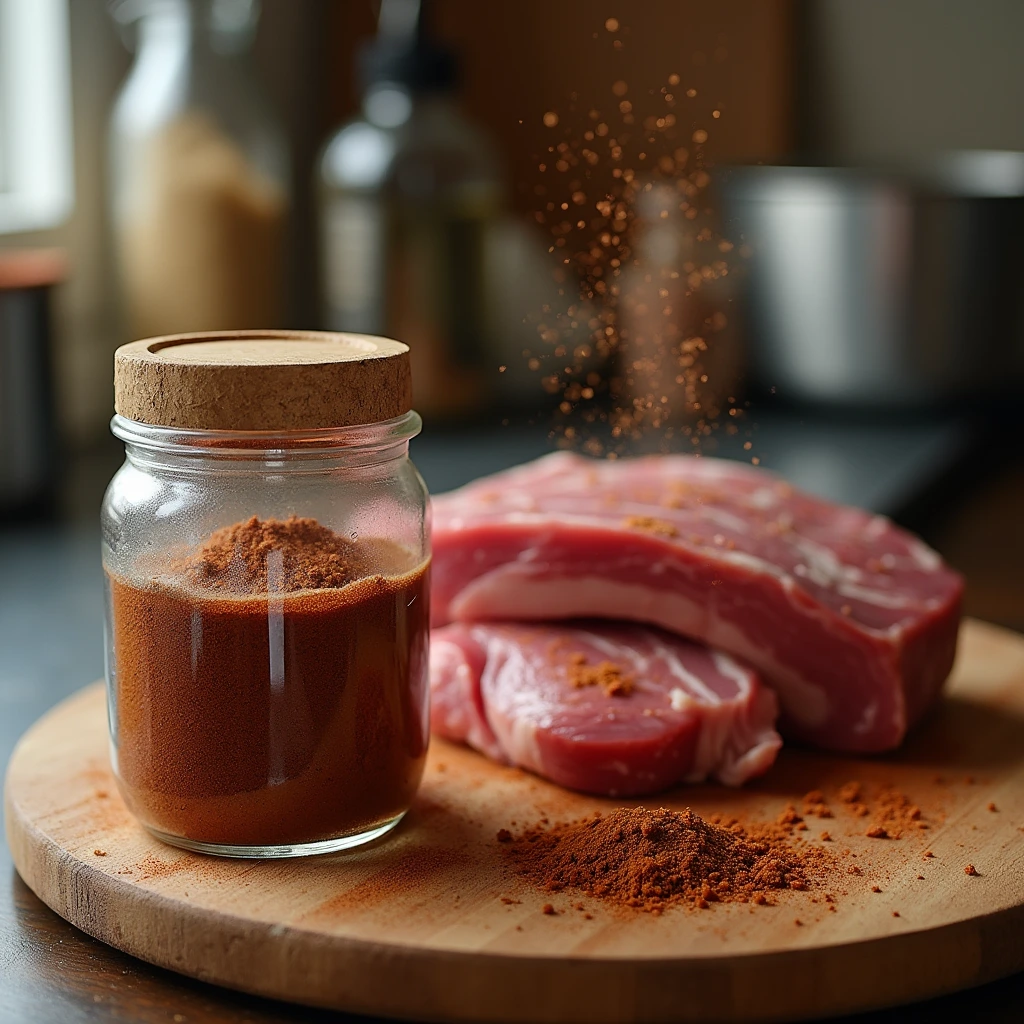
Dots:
pixel 262 380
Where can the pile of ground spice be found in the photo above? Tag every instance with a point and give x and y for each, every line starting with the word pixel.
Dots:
pixel 260 556
pixel 655 859
pixel 610 677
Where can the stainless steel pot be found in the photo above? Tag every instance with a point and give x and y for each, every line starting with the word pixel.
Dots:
pixel 892 288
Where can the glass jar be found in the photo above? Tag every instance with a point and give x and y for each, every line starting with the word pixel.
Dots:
pixel 266 551
pixel 199 172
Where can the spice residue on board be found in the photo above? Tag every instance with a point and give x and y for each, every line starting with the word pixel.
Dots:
pixel 651 860
pixel 888 813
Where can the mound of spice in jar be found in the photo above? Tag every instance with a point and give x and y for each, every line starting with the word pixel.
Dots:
pixel 268 684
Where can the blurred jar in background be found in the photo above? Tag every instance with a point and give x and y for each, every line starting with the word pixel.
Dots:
pixel 409 193
pixel 199 171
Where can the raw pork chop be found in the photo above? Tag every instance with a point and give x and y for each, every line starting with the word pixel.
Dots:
pixel 852 620
pixel 605 708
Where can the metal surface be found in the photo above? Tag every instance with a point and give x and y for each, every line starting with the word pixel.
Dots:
pixel 878 288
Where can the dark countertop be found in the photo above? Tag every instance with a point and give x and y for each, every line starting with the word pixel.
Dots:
pixel 50 636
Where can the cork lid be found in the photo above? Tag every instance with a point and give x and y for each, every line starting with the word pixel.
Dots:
pixel 262 380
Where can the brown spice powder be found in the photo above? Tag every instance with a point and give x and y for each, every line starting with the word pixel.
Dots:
pixel 262 556
pixel 649 524
pixel 892 813
pixel 210 747
pixel 654 859
pixel 610 677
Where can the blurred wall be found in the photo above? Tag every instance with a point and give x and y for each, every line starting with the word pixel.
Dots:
pixel 894 79
pixel 522 59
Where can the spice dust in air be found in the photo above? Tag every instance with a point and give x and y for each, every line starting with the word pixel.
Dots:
pixel 640 351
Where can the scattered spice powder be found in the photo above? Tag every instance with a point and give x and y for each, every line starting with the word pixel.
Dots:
pixel 970 869
pixel 610 677
pixel 649 524
pixel 896 813
pixel 992 806
pixel 789 816
pixel 850 793
pixel 655 859
pixel 814 803
pixel 893 813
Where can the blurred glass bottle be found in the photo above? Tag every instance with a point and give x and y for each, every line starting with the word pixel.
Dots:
pixel 198 172
pixel 409 193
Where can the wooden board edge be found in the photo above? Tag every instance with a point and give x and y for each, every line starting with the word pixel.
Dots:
pixel 351 975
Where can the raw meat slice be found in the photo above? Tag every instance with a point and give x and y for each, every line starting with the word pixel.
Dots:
pixel 852 620
pixel 606 708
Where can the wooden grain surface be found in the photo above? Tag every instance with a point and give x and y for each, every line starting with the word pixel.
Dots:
pixel 416 927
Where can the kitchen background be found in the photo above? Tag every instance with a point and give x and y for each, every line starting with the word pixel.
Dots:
pixel 838 251
pixel 169 166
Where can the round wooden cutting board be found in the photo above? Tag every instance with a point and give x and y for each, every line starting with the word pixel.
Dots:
pixel 433 925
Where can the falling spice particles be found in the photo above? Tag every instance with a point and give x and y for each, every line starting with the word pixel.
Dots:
pixel 638 341
pixel 651 860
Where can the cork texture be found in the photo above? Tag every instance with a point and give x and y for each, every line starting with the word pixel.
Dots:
pixel 262 380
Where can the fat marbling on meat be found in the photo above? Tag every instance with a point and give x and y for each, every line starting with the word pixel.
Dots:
pixel 850 619
pixel 609 708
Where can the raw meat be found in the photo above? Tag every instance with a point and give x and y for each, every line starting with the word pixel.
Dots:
pixel 851 620
pixel 601 707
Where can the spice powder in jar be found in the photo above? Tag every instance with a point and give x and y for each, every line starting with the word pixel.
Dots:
pixel 266 553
